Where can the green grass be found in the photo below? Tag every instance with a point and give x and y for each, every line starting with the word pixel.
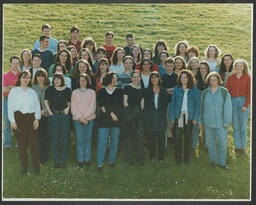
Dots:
pixel 226 25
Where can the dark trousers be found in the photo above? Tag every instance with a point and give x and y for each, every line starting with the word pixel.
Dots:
pixel 44 139
pixel 25 134
pixel 160 138
pixel 133 138
pixel 187 128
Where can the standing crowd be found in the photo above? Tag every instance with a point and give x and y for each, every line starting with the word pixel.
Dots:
pixel 126 98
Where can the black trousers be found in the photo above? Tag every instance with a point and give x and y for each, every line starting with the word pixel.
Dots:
pixel 160 138
pixel 44 139
pixel 187 129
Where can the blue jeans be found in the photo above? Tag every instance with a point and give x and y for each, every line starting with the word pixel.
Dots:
pixel 239 122
pixel 59 125
pixel 83 140
pixel 7 125
pixel 217 156
pixel 102 144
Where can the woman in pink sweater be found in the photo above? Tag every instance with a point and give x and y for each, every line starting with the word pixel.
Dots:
pixel 83 108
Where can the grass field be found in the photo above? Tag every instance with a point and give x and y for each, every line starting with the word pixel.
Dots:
pixel 226 25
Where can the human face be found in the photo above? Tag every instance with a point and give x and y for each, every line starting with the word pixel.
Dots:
pixel 136 78
pixel 63 57
pixel 212 52
pixel 82 67
pixel 178 64
pixel 103 67
pixel 74 35
pixel 24 80
pixel 109 39
pixel 213 81
pixel 135 51
pixel 147 55
pixel 239 68
pixel 25 56
pixel 15 64
pixel 57 82
pixel 59 69
pixel 45 43
pixel 36 62
pixel 163 58
pixel 40 79
pixel 169 67
pixel 84 55
pixel 146 66
pixel 82 82
pixel 73 52
pixel 182 48
pixel 184 79
pixel 160 48
pixel 46 32
pixel 101 55
pixel 203 70
pixel 227 61
pixel 128 64
pixel 120 55
pixel 194 64
pixel 89 46
pixel 154 80
pixel 114 81
pixel 62 46
pixel 191 54
pixel 129 41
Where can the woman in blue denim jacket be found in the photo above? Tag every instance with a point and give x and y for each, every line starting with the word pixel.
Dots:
pixel 215 117
pixel 184 112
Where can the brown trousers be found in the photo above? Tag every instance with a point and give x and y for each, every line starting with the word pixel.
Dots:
pixel 25 134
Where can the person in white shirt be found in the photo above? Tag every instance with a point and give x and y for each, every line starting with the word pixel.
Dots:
pixel 24 114
pixel 117 61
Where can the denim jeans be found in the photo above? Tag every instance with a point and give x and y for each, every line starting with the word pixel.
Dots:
pixel 239 122
pixel 217 156
pixel 83 140
pixel 59 125
pixel 102 144
pixel 7 125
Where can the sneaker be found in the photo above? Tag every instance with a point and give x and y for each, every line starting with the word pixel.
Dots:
pixel 100 169
pixel 24 170
pixel 36 170
pixel 224 167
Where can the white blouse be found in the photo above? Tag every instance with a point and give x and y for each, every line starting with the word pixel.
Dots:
pixel 118 69
pixel 25 101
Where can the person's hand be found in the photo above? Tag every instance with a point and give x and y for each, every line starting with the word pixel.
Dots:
pixel 114 117
pixel 36 124
pixel 201 127
pixel 244 109
pixel 66 111
pixel 103 109
pixel 194 122
pixel 42 112
pixel 14 126
pixel 85 122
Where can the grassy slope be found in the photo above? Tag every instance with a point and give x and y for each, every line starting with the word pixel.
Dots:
pixel 228 26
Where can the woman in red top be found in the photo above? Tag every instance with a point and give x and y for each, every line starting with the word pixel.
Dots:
pixel 147 54
pixel 239 86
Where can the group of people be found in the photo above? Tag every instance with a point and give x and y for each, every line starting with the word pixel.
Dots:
pixel 128 93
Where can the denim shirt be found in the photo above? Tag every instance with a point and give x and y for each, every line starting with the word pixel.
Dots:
pixel 194 99
pixel 213 115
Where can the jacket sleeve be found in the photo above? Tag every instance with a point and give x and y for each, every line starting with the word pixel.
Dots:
pixel 227 110
pixel 248 92
pixel 171 114
pixel 197 104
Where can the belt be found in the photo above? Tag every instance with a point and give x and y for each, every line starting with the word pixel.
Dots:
pixel 58 112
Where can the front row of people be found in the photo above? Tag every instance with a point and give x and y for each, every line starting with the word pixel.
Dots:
pixel 135 112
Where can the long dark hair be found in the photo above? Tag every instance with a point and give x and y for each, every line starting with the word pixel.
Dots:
pixel 191 78
pixel 223 68
pixel 69 61
pixel 25 73
pixel 160 42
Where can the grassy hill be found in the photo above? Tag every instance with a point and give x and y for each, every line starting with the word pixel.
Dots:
pixel 226 25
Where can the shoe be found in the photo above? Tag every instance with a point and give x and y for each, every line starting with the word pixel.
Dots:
pixel 36 170
pixel 112 165
pixel 80 164
pixel 63 165
pixel 100 169
pixel 224 167
pixel 24 171
pixel 56 165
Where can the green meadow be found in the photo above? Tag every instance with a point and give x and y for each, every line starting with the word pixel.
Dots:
pixel 226 25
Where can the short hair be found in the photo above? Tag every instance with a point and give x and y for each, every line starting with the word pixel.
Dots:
pixel 129 35
pixel 89 40
pixel 191 78
pixel 46 26
pixel 217 51
pixel 194 50
pixel 155 73
pixel 160 42
pixel 246 70
pixel 149 61
pixel 128 57
pixel 136 71
pixel 107 80
pixel 37 55
pixel 214 73
pixel 190 60
pixel 101 61
pixel 148 50
pixel 101 49
pixel 109 33
pixel 64 68
pixel 76 72
pixel 74 28
pixel 176 47
pixel 69 61
pixel 183 62
pixel 59 76
pixel 169 60
pixel 114 55
pixel 41 72
pixel 59 42
pixel 15 57
pixel 25 73
pixel 87 78
pixel 21 56
pixel 43 37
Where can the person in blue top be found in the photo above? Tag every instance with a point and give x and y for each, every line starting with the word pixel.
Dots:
pixel 184 112
pixel 215 118
pixel 46 30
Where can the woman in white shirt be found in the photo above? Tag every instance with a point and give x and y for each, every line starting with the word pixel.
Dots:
pixel 24 114
pixel 117 61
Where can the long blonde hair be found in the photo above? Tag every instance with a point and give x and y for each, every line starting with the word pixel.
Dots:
pixel 246 70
